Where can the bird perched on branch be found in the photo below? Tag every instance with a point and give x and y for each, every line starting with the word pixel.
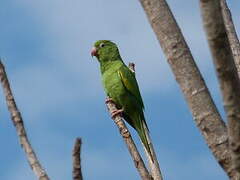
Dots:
pixel 121 87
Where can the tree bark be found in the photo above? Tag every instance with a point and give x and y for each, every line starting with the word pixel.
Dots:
pixel 19 125
pixel 232 35
pixel 196 93
pixel 76 155
pixel 226 72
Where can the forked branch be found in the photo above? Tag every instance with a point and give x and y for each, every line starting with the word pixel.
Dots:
pixel 188 76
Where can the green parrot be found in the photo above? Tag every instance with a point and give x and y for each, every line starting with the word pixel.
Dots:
pixel 121 87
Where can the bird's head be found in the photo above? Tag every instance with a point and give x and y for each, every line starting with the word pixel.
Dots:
pixel 105 50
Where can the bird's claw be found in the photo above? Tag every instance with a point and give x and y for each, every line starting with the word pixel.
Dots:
pixel 108 99
pixel 116 112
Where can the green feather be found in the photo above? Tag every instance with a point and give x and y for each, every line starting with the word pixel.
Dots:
pixel 121 85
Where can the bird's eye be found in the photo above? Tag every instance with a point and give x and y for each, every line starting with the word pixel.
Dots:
pixel 101 45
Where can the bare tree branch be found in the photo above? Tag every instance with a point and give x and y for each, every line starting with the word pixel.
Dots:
pixel 226 72
pixel 76 155
pixel 19 125
pixel 153 163
pixel 232 35
pixel 188 76
pixel 139 164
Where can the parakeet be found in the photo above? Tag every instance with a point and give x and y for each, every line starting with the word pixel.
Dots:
pixel 121 86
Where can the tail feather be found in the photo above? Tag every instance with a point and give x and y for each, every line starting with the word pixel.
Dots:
pixel 139 124
pixel 142 134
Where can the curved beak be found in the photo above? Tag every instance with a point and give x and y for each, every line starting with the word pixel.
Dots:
pixel 94 51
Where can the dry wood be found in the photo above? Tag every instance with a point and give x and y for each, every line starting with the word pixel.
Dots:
pixel 153 163
pixel 232 35
pixel 76 155
pixel 19 125
pixel 137 159
pixel 226 72
pixel 188 76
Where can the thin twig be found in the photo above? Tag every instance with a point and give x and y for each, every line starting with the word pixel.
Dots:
pixel 153 163
pixel 19 125
pixel 139 164
pixel 152 160
pixel 76 155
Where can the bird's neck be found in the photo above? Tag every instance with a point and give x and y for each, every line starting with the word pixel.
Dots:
pixel 110 65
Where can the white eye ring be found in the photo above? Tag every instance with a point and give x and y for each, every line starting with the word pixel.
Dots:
pixel 101 45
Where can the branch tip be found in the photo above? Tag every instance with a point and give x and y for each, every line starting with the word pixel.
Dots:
pixel 77 172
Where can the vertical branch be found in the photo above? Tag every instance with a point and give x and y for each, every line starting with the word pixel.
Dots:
pixel 139 164
pixel 226 72
pixel 19 125
pixel 153 163
pixel 76 155
pixel 191 82
pixel 231 33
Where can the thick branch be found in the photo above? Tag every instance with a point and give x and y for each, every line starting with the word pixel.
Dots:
pixel 190 80
pixel 226 72
pixel 139 164
pixel 232 35
pixel 18 123
pixel 77 172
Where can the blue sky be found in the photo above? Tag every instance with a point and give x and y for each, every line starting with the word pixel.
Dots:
pixel 45 46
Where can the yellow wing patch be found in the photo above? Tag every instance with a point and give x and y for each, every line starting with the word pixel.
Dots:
pixel 130 83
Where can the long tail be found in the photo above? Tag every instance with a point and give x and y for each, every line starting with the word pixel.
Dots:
pixel 142 130
pixel 137 121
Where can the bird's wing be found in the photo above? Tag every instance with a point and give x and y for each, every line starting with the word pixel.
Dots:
pixel 130 83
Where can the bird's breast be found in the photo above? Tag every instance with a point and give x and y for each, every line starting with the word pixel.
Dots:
pixel 112 84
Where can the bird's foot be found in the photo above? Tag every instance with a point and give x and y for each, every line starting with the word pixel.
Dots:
pixel 108 99
pixel 116 112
